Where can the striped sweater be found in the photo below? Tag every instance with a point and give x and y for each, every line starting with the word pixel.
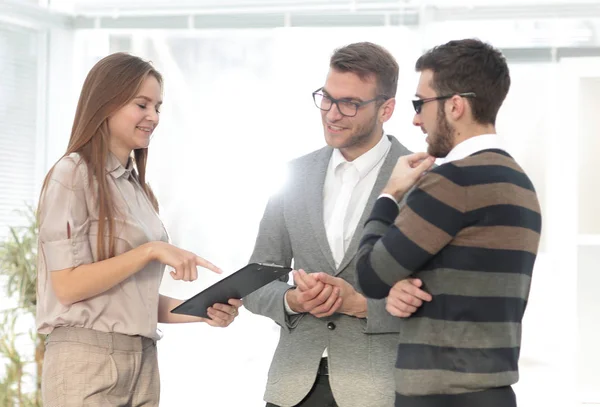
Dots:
pixel 470 231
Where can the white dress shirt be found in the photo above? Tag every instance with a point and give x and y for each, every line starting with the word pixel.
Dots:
pixel 346 191
pixel 473 145
pixel 348 185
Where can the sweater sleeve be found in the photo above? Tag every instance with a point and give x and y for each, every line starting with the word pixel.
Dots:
pixel 396 243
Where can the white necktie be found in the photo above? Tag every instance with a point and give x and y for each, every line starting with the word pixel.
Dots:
pixel 350 177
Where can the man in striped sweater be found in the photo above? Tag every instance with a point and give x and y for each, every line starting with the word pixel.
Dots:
pixel 469 231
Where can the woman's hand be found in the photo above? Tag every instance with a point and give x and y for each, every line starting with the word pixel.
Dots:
pixel 222 315
pixel 183 262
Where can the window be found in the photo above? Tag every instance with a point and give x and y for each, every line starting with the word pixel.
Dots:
pixel 18 117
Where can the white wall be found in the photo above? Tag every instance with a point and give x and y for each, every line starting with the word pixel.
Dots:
pixel 588 250
pixel 246 96
pixel 238 106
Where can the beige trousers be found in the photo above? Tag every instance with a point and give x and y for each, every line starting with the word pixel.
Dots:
pixel 84 367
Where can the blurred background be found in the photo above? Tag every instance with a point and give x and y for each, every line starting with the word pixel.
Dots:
pixel 237 106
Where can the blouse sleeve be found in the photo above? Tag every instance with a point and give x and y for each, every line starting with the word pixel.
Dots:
pixel 64 220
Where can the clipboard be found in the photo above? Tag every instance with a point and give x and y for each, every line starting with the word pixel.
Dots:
pixel 237 285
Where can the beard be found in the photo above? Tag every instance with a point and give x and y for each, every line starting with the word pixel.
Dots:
pixel 441 141
pixel 362 135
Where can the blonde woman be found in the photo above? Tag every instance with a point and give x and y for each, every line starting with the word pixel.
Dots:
pixel 103 248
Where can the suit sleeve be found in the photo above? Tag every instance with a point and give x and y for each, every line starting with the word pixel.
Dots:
pixel 379 320
pixel 273 245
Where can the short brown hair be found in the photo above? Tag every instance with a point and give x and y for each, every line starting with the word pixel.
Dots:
pixel 365 59
pixel 469 65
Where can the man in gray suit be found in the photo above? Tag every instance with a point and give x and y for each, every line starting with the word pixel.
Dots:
pixel 336 347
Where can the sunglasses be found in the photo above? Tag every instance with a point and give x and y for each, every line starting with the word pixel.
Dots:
pixel 418 104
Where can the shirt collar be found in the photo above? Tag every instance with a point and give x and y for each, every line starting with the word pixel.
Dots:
pixel 473 145
pixel 365 163
pixel 115 168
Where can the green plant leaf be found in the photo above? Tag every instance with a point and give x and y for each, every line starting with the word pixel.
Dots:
pixel 18 269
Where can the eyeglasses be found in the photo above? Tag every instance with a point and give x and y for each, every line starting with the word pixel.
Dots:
pixel 346 107
pixel 418 104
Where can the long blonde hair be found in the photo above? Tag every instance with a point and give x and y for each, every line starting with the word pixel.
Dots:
pixel 111 84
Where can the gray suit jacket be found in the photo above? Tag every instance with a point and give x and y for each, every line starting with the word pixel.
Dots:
pixel 362 352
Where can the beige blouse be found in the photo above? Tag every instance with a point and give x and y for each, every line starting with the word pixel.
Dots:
pixel 130 307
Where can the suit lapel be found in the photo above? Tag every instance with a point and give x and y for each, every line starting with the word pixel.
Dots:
pixel 313 185
pixel 396 150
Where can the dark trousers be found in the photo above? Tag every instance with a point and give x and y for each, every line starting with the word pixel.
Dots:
pixel 498 397
pixel 320 395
